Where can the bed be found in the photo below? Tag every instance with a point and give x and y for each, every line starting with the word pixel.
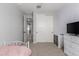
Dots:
pixel 15 48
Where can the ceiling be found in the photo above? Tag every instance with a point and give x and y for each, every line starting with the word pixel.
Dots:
pixel 45 7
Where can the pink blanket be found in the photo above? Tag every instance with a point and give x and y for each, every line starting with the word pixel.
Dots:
pixel 14 51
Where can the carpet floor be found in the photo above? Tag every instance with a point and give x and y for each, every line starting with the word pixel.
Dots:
pixel 45 49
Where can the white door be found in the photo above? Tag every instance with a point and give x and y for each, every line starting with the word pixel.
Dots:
pixel 44 28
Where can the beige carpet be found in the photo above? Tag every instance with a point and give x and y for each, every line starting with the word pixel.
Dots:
pixel 45 49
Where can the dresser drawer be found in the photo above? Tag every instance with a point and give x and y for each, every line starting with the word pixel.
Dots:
pixel 71 45
pixel 69 51
pixel 67 43
pixel 75 40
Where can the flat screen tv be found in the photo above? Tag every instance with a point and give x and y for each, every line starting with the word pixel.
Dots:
pixel 73 28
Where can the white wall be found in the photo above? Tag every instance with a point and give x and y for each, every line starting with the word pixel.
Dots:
pixel 11 23
pixel 68 14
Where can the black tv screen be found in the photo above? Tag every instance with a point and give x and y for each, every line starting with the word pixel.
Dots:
pixel 77 28
pixel 73 28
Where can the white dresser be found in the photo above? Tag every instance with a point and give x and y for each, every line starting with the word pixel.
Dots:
pixel 71 45
pixel 58 40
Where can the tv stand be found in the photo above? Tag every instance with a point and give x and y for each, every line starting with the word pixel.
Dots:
pixel 71 45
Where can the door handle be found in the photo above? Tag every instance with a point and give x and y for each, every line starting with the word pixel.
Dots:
pixel 24 32
pixel 36 32
pixel 51 32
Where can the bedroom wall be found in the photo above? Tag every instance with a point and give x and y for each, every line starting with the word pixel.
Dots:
pixel 11 23
pixel 68 14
